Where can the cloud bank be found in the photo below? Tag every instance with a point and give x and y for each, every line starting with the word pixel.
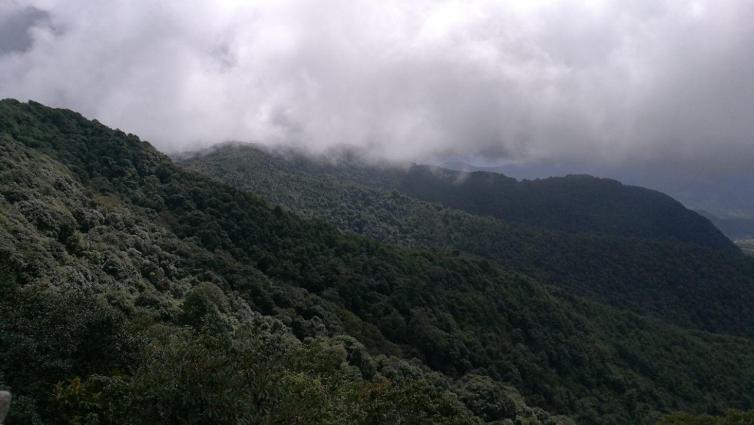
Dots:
pixel 647 80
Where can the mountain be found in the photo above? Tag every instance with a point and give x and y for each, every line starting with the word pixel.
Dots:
pixel 724 199
pixel 575 203
pixel 138 292
pixel 682 282
pixel 725 194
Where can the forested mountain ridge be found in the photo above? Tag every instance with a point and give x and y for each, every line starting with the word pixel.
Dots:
pixel 574 204
pixel 687 284
pixel 136 292
pixel 123 321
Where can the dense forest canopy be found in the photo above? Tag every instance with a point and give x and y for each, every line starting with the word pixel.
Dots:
pixel 688 284
pixel 136 292
pixel 575 203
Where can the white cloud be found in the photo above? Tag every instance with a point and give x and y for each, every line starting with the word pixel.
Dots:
pixel 599 80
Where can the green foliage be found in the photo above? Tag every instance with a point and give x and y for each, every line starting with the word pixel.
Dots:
pixel 204 309
pixel 684 283
pixel 188 378
pixel 169 274
pixel 733 417
pixel 46 337
pixel 574 204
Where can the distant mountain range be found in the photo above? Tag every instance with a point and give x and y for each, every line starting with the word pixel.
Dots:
pixel 737 228
pixel 747 245
pixel 725 197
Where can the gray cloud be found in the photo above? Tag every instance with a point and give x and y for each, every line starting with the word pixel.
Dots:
pixel 15 24
pixel 609 81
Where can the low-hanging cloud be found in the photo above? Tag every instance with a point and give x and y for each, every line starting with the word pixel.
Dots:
pixel 645 80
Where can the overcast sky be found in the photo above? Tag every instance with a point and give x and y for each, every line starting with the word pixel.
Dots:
pixel 665 81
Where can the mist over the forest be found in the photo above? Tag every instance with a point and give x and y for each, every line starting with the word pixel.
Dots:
pixel 600 81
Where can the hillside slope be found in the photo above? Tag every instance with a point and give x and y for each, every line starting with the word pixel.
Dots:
pixel 681 282
pixel 574 204
pixel 137 292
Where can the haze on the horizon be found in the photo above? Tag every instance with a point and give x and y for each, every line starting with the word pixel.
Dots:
pixel 660 81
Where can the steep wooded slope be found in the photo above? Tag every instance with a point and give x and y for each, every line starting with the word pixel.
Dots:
pixel 150 284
